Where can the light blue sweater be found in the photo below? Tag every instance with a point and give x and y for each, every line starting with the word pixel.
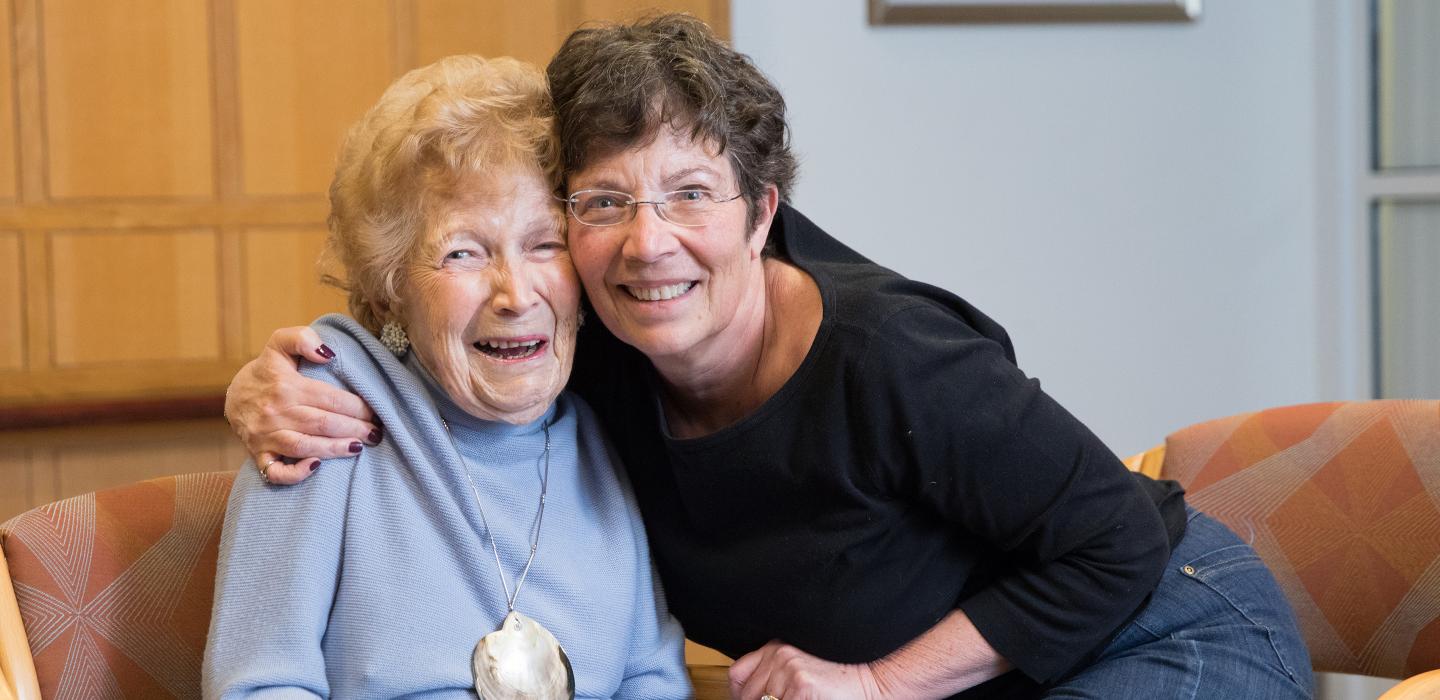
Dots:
pixel 374 578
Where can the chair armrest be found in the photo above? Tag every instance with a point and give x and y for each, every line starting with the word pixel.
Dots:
pixel 1148 462
pixel 711 682
pixel 1418 687
pixel 17 667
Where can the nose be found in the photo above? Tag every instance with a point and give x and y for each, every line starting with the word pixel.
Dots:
pixel 514 289
pixel 649 238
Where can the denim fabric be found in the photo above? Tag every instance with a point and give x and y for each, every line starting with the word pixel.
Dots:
pixel 1217 626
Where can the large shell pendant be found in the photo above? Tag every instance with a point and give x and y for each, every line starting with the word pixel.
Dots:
pixel 522 661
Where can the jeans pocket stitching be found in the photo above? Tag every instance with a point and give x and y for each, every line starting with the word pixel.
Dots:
pixel 1218 557
pixel 1205 571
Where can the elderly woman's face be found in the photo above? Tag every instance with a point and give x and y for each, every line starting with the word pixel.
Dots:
pixel 491 301
pixel 668 290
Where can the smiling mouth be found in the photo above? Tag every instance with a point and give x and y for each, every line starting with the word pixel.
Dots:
pixel 511 349
pixel 663 293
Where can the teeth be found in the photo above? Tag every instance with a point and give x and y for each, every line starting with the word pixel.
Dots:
pixel 506 345
pixel 659 293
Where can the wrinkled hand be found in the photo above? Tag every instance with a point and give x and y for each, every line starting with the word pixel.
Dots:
pixel 290 421
pixel 787 673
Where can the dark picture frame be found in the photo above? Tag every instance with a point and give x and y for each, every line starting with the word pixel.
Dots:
pixel 1024 11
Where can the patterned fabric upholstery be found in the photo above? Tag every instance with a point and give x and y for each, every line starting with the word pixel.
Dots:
pixel 115 587
pixel 1342 500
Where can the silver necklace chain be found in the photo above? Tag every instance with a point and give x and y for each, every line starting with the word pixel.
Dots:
pixel 539 517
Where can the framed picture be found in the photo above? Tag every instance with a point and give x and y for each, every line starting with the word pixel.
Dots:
pixel 1016 11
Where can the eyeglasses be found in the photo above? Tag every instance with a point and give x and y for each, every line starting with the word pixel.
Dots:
pixel 607 208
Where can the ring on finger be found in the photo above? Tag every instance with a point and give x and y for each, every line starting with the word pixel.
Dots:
pixel 768 696
pixel 265 469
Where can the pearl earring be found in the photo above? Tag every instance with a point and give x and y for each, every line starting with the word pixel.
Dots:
pixel 393 337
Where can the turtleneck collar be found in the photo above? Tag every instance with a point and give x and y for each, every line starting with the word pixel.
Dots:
pixel 463 425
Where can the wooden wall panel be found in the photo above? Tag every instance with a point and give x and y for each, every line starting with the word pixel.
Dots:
pixel 307 71
pixel 163 167
pixel 36 291
pixel 12 303
pixel 89 460
pixel 17 490
pixel 8 125
pixel 39 466
pixel 127 98
pixel 282 285
pixel 529 31
pixel 232 453
pixel 134 296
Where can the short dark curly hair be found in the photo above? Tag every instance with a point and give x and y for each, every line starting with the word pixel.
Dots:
pixel 615 85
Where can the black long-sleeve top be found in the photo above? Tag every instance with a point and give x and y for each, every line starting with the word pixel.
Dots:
pixel 908 468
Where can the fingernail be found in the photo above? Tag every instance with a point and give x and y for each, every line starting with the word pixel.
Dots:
pixel 374 436
pixel 355 447
pixel 314 466
pixel 326 352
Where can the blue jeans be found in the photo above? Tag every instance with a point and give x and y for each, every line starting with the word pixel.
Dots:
pixel 1217 626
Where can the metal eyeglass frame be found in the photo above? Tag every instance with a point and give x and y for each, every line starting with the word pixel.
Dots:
pixel 632 205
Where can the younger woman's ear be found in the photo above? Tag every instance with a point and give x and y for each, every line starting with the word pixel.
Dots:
pixel 765 207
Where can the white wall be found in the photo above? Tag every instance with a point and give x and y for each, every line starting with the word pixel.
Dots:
pixel 1137 204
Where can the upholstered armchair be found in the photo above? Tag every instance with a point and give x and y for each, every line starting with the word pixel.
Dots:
pixel 114 588
pixel 1342 501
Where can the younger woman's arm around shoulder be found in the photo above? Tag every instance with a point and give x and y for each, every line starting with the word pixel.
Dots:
pixel 276 411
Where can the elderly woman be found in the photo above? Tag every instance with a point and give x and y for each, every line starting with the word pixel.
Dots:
pixel 494 496
pixel 847 482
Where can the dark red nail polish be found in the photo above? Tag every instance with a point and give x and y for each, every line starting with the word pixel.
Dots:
pixel 326 352
pixel 374 436
pixel 314 466
pixel 355 447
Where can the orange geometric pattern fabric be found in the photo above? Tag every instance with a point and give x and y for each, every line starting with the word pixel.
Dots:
pixel 1342 501
pixel 115 587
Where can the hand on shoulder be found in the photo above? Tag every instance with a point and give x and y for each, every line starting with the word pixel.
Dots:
pixel 289 422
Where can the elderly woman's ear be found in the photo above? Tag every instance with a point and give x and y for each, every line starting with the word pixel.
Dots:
pixel 385 311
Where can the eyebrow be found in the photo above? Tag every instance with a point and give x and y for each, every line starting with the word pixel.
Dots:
pixel 447 238
pixel 602 184
pixel 672 178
